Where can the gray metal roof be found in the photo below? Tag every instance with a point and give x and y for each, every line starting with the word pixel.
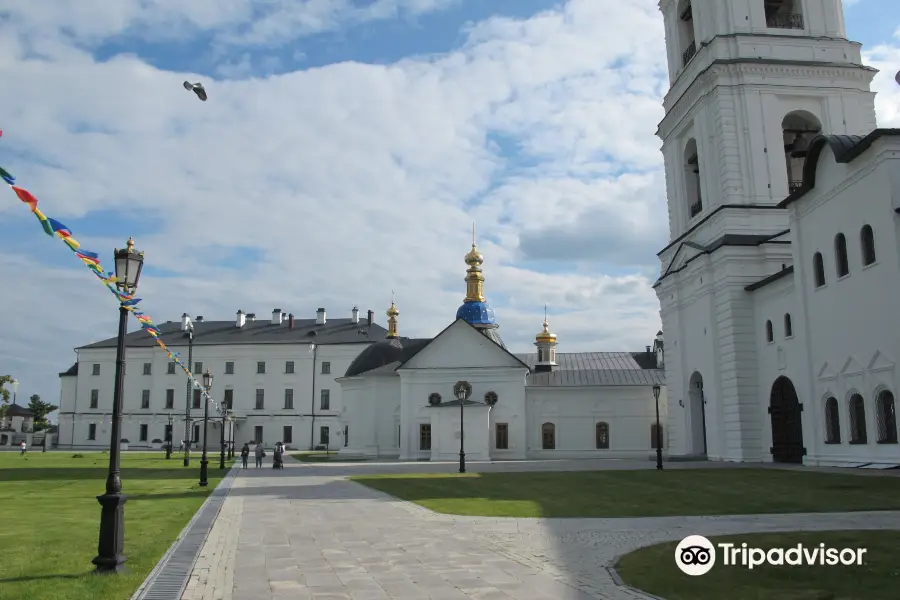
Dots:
pixel 579 369
pixel 214 333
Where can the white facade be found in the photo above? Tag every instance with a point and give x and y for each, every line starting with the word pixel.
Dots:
pixel 753 194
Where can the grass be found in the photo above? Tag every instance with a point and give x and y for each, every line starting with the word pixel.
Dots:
pixel 653 570
pixel 322 456
pixel 641 493
pixel 50 523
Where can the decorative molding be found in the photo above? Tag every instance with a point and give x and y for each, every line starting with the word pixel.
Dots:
pixel 827 373
pixel 852 367
pixel 880 362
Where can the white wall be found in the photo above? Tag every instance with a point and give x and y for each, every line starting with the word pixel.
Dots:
pixel 445 433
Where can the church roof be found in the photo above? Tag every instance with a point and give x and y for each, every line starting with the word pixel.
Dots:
pixel 384 353
pixel 17 410
pixel 578 369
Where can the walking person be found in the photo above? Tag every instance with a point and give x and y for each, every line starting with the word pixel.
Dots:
pixel 23 446
pixel 277 456
pixel 245 454
pixel 260 454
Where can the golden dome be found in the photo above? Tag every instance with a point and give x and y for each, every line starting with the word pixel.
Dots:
pixel 392 311
pixel 474 257
pixel 545 335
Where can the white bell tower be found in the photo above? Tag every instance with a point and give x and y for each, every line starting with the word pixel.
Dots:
pixel 751 83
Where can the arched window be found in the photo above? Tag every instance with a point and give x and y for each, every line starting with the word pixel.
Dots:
pixel 867 240
pixel 841 264
pixel 490 398
pixel 857 419
pixel 832 422
pixel 818 269
pixel 798 129
pixel 602 434
pixel 784 14
pixel 686 33
pixel 692 179
pixel 654 437
pixel 770 333
pixel 788 325
pixel 887 418
pixel 548 436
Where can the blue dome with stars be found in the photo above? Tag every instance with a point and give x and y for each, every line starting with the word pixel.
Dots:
pixel 476 313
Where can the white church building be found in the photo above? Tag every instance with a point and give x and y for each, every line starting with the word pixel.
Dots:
pixel 779 284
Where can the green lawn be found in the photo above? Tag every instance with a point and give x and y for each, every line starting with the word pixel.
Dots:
pixel 641 493
pixel 50 522
pixel 653 570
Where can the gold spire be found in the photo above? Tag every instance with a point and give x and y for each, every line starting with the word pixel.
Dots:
pixel 545 337
pixel 392 314
pixel 474 276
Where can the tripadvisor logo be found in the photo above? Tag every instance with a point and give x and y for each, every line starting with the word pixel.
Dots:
pixel 696 555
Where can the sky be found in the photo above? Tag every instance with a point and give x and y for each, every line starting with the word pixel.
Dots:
pixel 345 151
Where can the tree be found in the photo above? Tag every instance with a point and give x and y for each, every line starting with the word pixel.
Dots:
pixel 40 409
pixel 4 393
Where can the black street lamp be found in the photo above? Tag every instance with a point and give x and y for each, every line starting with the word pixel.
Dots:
pixel 169 439
pixel 225 418
pixel 462 390
pixel 187 402
pixel 659 465
pixel 204 463
pixel 110 557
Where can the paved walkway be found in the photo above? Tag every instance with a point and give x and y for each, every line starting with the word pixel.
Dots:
pixel 309 534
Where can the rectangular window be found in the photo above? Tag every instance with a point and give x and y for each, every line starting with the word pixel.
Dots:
pixel 502 436
pixel 95 398
pixel 258 434
pixel 143 437
pixel 288 435
pixel 326 368
pixel 289 367
pixel 148 368
pixel 170 398
pixel 170 368
pixel 92 432
pixel 260 399
pixel 229 368
pixel 324 435
pixel 145 399
pixel 425 436
pixel 198 368
pixel 197 398
pixel 289 399
pixel 229 399
pixel 326 400
pixel 95 370
pixel 261 368
pixel 196 434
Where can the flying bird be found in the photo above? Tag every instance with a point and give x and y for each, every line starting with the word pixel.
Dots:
pixel 197 88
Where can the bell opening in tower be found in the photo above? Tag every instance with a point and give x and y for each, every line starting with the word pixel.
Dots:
pixel 799 128
pixel 686 35
pixel 784 14
pixel 692 179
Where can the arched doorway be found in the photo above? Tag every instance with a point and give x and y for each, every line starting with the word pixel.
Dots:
pixel 787 423
pixel 697 415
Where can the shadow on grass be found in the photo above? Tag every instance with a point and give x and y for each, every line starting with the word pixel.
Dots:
pixel 42 577
pixel 34 473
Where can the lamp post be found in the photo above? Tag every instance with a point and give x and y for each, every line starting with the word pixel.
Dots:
pixel 14 384
pixel 187 402
pixel 659 465
pixel 462 390
pixel 110 557
pixel 230 439
pixel 169 439
pixel 204 463
pixel 225 417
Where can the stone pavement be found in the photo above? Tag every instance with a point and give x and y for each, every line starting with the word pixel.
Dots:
pixel 307 533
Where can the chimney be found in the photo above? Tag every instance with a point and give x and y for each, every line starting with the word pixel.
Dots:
pixel 354 315
pixel 185 321
pixel 370 317
pixel 241 319
pixel 276 316
pixel 251 317
pixel 291 320
pixel 648 350
pixel 320 316
pixel 200 319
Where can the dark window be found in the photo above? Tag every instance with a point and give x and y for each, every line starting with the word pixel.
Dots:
pixel 260 399
pixel 95 370
pixel 198 396
pixel 424 436
pixel 287 435
pixel 887 418
pixel 196 434
pixel 198 368
pixel 832 422
pixel 857 420
pixel 867 239
pixel 548 436
pixel 326 368
pixel 770 333
pixel 229 368
pixel 289 399
pixel 502 436
pixel 656 434
pixel 95 398
pixel 346 435
pixel 842 265
pixel 324 435
pixel 325 400
pixel 490 398
pixel 148 368
pixel 92 432
pixel 434 398
pixel 145 399
pixel 170 368
pixel 601 431
pixel 260 367
pixel 788 326
pixel 289 367
pixel 229 399
pixel 258 434
pixel 143 435
pixel 818 269
pixel 170 398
